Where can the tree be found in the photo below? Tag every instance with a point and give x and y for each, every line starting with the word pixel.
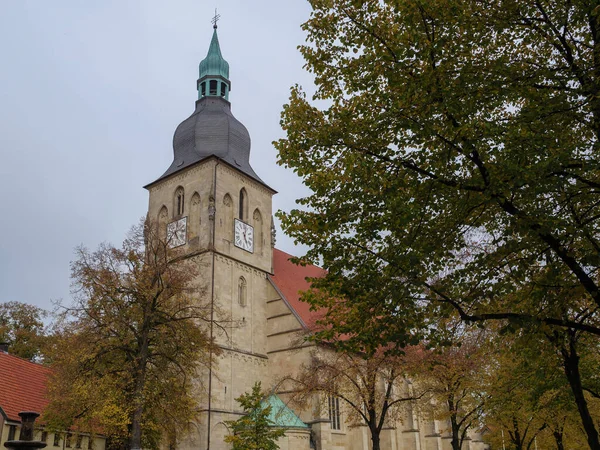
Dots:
pixel 452 377
pixel 22 328
pixel 514 409
pixel 254 430
pixel 453 165
pixel 529 398
pixel 131 344
pixel 372 389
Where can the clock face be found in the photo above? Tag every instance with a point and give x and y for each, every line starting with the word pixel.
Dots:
pixel 243 236
pixel 177 232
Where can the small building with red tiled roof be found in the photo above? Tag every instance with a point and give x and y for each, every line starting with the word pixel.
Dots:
pixel 23 388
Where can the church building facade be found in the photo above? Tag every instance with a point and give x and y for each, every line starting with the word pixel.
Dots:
pixel 212 205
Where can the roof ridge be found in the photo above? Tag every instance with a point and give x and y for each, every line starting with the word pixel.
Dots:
pixel 300 258
pixel 40 365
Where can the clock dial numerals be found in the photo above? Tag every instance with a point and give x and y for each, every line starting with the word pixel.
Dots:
pixel 177 232
pixel 243 236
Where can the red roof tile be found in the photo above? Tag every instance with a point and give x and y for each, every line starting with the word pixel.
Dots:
pixel 22 386
pixel 290 280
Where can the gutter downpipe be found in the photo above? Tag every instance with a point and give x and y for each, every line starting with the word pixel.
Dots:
pixel 212 213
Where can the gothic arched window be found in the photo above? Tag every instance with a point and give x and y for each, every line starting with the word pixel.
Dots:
pixel 243 301
pixel 179 201
pixel 243 204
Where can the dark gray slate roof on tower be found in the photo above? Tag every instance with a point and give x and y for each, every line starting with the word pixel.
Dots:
pixel 211 131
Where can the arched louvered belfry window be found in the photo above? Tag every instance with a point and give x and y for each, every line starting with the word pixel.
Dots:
pixel 179 202
pixel 213 87
pixel 243 215
pixel 242 292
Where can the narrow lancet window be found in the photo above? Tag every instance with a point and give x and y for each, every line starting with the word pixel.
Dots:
pixel 243 202
pixel 179 201
pixel 242 292
pixel 334 413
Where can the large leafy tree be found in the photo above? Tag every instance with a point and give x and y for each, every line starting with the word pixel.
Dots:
pixel 130 346
pixel 22 328
pixel 454 167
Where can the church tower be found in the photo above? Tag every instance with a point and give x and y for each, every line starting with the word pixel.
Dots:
pixel 212 205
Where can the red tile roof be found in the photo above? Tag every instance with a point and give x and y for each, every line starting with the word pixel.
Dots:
pixel 290 280
pixel 22 386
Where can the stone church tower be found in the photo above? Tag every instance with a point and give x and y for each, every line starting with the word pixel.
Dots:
pixel 212 204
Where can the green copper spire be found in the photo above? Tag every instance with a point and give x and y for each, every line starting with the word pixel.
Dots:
pixel 214 71
pixel 214 64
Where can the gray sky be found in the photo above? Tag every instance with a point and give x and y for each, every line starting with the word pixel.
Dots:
pixel 90 95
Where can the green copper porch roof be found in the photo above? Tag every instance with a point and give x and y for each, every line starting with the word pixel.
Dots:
pixel 214 64
pixel 281 415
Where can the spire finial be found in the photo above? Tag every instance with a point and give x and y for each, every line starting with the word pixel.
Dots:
pixel 215 19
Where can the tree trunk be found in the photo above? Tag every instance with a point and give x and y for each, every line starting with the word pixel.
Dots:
pixel 454 424
pixel 455 433
pixel 571 366
pixel 135 441
pixel 515 435
pixel 374 429
pixel 375 439
pixel 558 439
pixel 374 426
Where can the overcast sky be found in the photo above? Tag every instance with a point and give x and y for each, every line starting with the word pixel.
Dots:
pixel 90 95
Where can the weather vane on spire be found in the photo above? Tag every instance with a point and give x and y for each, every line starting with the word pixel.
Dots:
pixel 215 19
